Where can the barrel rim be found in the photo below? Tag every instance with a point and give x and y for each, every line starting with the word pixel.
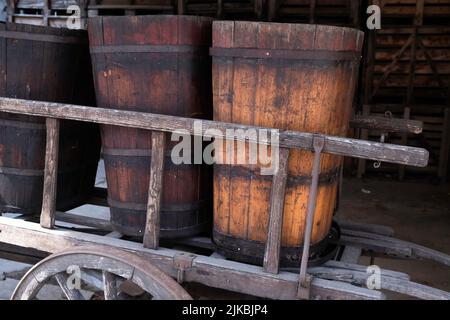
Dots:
pixel 155 17
pixel 251 34
pixel 287 24
pixel 46 30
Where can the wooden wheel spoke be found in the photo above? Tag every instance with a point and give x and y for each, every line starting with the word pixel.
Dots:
pixel 109 269
pixel 70 293
pixel 109 286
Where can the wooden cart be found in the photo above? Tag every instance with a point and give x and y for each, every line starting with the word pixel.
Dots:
pixel 107 261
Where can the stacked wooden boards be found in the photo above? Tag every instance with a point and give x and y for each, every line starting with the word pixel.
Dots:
pixel 408 66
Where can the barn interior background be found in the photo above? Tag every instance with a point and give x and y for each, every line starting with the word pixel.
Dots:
pixel 405 70
pixel 404 73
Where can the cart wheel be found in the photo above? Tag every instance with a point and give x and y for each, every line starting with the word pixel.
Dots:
pixel 107 270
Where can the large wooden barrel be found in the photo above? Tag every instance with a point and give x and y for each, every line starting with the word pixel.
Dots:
pixel 157 64
pixel 289 77
pixel 46 64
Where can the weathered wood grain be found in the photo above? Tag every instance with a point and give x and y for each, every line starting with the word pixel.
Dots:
pixel 109 285
pixel 289 139
pixel 217 273
pixel 152 226
pixel 50 174
pixel 366 227
pixel 273 244
pixel 100 224
pixel 389 245
pixel 351 254
pixel 71 294
pixel 402 286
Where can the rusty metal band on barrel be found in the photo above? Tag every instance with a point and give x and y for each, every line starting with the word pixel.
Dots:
pixel 19 35
pixel 22 124
pixel 166 208
pixel 252 251
pixel 40 172
pixel 149 48
pixel 292 180
pixel 292 54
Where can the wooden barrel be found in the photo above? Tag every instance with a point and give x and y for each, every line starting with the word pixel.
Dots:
pixel 46 64
pixel 157 64
pixel 289 77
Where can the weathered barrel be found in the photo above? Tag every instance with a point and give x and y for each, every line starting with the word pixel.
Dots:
pixel 157 64
pixel 46 64
pixel 289 77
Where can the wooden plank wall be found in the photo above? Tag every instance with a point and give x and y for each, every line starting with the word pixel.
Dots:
pixel 332 12
pixel 407 72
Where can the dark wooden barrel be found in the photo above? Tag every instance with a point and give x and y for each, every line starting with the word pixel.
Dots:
pixel 290 77
pixel 46 64
pixel 157 64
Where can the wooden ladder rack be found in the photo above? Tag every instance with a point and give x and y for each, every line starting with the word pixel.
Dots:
pixel 162 124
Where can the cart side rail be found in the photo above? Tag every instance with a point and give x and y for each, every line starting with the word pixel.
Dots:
pixel 157 122
pixel 162 124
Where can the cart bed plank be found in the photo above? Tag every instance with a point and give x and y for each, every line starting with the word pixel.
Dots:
pixel 209 271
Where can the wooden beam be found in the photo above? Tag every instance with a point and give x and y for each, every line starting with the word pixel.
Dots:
pixel 278 191
pixel 445 147
pixel 71 294
pixel 388 245
pixel 351 254
pixel 412 69
pixel 354 8
pixel 429 58
pixel 404 141
pixel 181 5
pixel 109 285
pixel 90 11
pixel 217 273
pixel 394 284
pixel 369 66
pixel 219 9
pixel 46 12
pixel 10 9
pixel 364 135
pixel 418 19
pixel 272 8
pixel 389 68
pixel 258 7
pixel 289 139
pixel 96 223
pixel 130 7
pixel 365 227
pixel 152 225
pixel 312 11
pixel 386 124
pixel 50 174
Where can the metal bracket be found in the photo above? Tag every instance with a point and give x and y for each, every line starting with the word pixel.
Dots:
pixel 182 262
pixel 304 285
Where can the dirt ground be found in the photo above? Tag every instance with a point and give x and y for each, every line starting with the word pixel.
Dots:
pixel 417 210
